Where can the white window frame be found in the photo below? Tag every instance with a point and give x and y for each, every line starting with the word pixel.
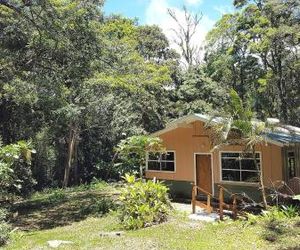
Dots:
pixel 239 182
pixel 161 171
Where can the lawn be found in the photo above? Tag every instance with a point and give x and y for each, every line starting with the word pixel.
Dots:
pixel 81 215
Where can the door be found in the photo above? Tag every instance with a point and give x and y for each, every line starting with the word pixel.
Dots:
pixel 203 172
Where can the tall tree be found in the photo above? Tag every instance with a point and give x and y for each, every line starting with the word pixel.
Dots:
pixel 260 46
pixel 184 34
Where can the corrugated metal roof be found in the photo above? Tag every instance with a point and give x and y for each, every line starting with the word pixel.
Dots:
pixel 284 137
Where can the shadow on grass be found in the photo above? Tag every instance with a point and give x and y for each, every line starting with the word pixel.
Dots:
pixel 61 210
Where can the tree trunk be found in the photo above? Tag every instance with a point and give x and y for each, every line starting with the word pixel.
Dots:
pixel 141 171
pixel 71 147
pixel 76 167
pixel 261 179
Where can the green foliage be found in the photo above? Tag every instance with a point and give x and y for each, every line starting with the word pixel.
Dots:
pixel 4 228
pixel 99 207
pixel 199 94
pixel 57 196
pixel 132 152
pixel 143 203
pixel 252 52
pixel 70 74
pixel 15 171
pixel 276 221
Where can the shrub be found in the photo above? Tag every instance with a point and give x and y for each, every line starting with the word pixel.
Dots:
pixel 276 221
pixel 99 207
pixel 143 203
pixel 4 228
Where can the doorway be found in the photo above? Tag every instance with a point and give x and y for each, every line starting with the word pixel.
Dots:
pixel 204 172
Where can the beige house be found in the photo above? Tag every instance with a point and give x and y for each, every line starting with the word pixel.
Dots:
pixel 189 159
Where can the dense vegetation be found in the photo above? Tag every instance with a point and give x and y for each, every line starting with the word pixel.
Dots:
pixel 79 215
pixel 76 82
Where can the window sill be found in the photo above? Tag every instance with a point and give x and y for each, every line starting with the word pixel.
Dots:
pixel 160 171
pixel 240 183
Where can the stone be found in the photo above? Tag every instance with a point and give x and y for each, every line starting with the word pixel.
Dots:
pixel 57 243
pixel 111 234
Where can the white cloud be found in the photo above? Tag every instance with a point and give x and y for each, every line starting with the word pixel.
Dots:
pixel 193 2
pixel 224 9
pixel 157 13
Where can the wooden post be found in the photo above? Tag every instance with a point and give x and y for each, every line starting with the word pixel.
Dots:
pixel 234 207
pixel 194 198
pixel 209 210
pixel 221 201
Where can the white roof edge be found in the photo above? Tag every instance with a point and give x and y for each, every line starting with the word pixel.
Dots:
pixel 187 118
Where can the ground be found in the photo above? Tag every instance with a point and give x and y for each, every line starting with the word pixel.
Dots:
pixel 81 216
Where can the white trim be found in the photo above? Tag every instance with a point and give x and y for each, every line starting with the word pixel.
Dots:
pixel 211 167
pixel 161 171
pixel 185 119
pixel 238 182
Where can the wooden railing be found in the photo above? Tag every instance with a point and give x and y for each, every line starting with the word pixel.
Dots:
pixel 195 202
pixel 208 207
pixel 223 205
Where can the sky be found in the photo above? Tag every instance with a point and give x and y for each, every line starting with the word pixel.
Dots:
pixel 155 12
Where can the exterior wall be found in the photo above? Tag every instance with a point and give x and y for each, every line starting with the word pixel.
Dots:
pixel 189 140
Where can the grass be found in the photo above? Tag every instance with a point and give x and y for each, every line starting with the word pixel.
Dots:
pixel 73 216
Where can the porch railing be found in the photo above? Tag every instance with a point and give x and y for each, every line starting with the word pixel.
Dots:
pixel 220 200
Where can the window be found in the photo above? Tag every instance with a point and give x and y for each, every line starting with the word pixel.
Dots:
pixel 291 164
pixel 239 167
pixel 157 161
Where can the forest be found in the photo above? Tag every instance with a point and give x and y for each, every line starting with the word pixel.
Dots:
pixel 74 82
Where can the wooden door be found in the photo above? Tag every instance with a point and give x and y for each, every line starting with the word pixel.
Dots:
pixel 203 172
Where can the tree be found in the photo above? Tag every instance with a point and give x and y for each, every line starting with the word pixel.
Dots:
pixel 237 126
pixel 134 149
pixel 184 33
pixel 198 93
pixel 153 44
pixel 260 48
pixel 68 79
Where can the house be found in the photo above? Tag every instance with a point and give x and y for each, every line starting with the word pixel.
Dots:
pixel 190 159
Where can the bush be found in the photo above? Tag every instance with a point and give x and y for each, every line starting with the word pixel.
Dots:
pixel 277 222
pixel 4 228
pixel 143 203
pixel 99 207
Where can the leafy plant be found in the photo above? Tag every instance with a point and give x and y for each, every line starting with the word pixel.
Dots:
pixel 15 172
pixel 143 203
pixel 57 196
pixel 132 151
pixel 290 211
pixel 4 228
pixel 99 207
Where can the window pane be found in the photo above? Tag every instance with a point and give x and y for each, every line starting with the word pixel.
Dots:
pixel 291 164
pixel 250 176
pixel 248 164
pixel 167 166
pixel 169 156
pixel 235 155
pixel 153 165
pixel 230 175
pixel 154 156
pixel 249 155
pixel 230 164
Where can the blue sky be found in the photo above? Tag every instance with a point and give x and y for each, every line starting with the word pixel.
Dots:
pixel 213 9
pixel 155 12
